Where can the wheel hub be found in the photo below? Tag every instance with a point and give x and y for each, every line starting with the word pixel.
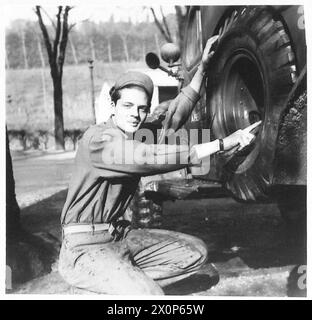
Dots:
pixel 242 100
pixel 243 93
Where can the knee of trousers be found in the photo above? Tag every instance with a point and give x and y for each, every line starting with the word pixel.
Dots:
pixel 201 249
pixel 65 265
pixel 204 250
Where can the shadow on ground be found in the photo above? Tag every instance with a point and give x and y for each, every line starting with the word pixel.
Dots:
pixel 255 233
pixel 44 216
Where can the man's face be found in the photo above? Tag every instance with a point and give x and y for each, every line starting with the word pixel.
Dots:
pixel 131 109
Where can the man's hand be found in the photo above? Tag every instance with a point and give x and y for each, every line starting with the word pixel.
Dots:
pixel 209 50
pixel 234 142
pixel 179 112
pixel 240 138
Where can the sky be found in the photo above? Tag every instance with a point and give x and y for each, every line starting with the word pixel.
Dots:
pixel 81 12
pixel 101 10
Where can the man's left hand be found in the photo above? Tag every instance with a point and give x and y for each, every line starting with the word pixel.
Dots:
pixel 208 54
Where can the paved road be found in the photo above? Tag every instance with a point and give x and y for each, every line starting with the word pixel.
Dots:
pixel 39 176
pixel 249 244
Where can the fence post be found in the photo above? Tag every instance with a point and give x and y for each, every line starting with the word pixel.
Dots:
pixel 90 61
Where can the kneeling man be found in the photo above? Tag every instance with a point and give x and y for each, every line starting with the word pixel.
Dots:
pixel 100 252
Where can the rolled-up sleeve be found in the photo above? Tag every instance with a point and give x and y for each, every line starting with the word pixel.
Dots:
pixel 190 94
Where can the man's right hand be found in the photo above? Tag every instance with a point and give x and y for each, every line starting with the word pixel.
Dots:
pixel 240 138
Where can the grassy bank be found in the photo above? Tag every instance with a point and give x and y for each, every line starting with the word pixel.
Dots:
pixel 29 95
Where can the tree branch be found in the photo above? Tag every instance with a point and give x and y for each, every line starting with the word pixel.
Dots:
pixel 52 22
pixel 58 32
pixel 160 27
pixel 71 27
pixel 181 19
pixel 165 24
pixel 45 35
pixel 64 37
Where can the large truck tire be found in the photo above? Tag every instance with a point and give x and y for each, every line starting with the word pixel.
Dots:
pixel 253 71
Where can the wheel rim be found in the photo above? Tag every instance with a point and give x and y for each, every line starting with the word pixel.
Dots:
pixel 243 100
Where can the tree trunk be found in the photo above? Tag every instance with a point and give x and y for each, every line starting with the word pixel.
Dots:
pixel 44 92
pixel 7 62
pixel 56 53
pixel 143 50
pixel 109 49
pixel 58 113
pixel 12 208
pixel 24 49
pixel 125 45
pixel 73 50
pixel 41 53
pixel 157 44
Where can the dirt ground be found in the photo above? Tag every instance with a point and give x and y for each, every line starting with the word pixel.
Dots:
pixel 249 245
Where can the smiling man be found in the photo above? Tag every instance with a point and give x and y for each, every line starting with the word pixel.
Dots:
pixel 132 103
pixel 100 252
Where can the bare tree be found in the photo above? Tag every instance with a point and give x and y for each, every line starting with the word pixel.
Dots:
pixel 24 48
pixel 124 31
pixel 109 32
pixel 125 46
pixel 73 49
pixel 42 72
pixel 157 43
pixel 162 26
pixel 143 49
pixel 56 54
pixel 7 61
pixel 109 50
pixel 40 52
